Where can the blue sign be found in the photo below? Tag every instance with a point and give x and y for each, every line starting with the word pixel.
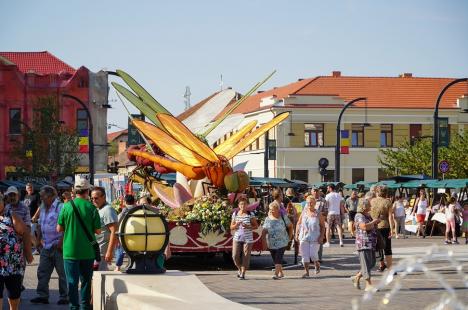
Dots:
pixel 444 166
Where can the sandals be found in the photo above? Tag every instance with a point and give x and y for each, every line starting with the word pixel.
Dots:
pixel 317 270
pixel 276 278
pixel 356 283
pixel 305 276
pixel 382 268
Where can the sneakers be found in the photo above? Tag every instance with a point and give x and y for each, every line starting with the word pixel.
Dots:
pixel 241 277
pixel 326 245
pixel 455 242
pixel 40 300
pixel 63 302
pixel 446 242
pixel 341 244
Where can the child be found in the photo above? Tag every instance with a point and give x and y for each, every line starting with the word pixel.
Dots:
pixel 465 221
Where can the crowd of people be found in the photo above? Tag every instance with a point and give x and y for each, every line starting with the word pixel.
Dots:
pixel 372 219
pixel 53 226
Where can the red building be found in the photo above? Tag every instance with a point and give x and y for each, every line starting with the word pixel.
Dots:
pixel 26 76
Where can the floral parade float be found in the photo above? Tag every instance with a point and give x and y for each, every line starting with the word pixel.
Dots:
pixel 199 206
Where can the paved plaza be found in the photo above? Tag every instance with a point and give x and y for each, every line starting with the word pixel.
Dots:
pixel 331 289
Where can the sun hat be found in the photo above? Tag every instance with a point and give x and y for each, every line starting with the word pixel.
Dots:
pixel 12 190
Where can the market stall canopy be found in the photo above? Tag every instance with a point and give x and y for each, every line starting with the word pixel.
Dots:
pixel 325 184
pixel 406 178
pixel 418 183
pixel 277 182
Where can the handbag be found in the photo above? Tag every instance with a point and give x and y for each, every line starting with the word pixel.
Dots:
pixel 94 244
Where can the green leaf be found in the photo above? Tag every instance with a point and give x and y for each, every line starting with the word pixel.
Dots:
pixel 142 93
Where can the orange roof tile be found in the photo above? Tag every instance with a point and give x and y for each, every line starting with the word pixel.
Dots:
pixel 114 135
pixel 42 63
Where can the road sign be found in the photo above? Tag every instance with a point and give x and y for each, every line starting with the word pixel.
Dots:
pixel 444 166
pixel 444 133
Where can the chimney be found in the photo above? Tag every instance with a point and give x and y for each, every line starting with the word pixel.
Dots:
pixel 300 79
pixel 336 73
pixel 406 75
pixel 260 91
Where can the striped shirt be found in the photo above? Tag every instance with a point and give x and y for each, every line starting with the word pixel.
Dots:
pixel 48 223
pixel 243 234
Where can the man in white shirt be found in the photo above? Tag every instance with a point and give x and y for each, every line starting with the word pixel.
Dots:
pixel 335 203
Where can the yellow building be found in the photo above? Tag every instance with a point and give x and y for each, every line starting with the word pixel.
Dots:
pixel 397 109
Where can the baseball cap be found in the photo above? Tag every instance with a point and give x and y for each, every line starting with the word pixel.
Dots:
pixel 12 190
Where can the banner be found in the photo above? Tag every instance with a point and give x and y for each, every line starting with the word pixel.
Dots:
pixel 344 142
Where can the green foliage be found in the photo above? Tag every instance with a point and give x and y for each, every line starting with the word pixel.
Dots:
pixel 54 147
pixel 417 158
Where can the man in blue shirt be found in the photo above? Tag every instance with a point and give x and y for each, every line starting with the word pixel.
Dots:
pixel 51 253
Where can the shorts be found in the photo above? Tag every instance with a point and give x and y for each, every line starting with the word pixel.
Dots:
pixel 13 285
pixel 351 215
pixel 367 262
pixel 334 220
pixel 277 255
pixel 420 218
pixel 387 242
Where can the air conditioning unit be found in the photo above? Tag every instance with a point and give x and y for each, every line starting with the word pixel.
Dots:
pixel 462 103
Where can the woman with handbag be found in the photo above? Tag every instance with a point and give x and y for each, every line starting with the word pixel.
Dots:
pixel 12 261
pixel 277 231
pixel 243 222
pixel 310 232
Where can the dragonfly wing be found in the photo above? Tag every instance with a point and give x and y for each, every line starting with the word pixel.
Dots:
pixel 229 124
pixel 169 145
pixel 254 135
pixel 138 103
pixel 186 138
pixel 227 145
pixel 208 111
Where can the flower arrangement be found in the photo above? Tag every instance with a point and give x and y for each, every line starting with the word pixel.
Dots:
pixel 213 213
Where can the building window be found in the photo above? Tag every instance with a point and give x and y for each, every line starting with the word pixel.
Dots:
pixel 383 175
pixel 15 121
pixel 82 83
pixel 313 135
pixel 357 135
pixel 415 133
pixel 81 120
pixel 357 175
pixel 301 175
pixel 386 135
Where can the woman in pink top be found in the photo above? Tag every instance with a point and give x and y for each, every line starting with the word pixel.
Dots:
pixel 465 221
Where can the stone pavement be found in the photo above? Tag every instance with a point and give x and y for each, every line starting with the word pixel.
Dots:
pixel 331 289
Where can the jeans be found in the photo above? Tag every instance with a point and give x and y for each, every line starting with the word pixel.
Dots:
pixel 50 259
pixel 119 255
pixel 79 271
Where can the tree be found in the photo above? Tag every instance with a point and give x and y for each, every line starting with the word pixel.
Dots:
pixel 417 158
pixel 47 147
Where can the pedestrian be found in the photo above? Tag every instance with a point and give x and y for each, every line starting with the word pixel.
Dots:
pixel 351 206
pixel 119 251
pixel 366 241
pixel 243 222
pixel 31 201
pixel 18 208
pixel 277 196
pixel 309 233
pixel 399 216
pixel 335 204
pixel 66 196
pixel 381 208
pixel 78 252
pixel 12 263
pixel 419 209
pixel 321 207
pixel 107 239
pixel 52 244
pixel 450 213
pixel 276 233
pixel 465 221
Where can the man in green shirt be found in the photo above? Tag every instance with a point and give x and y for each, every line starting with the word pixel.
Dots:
pixel 78 253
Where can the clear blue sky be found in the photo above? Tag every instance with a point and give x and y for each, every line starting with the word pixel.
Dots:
pixel 167 45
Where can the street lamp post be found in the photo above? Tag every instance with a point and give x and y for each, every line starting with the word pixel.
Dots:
pixel 90 137
pixel 435 135
pixel 338 142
